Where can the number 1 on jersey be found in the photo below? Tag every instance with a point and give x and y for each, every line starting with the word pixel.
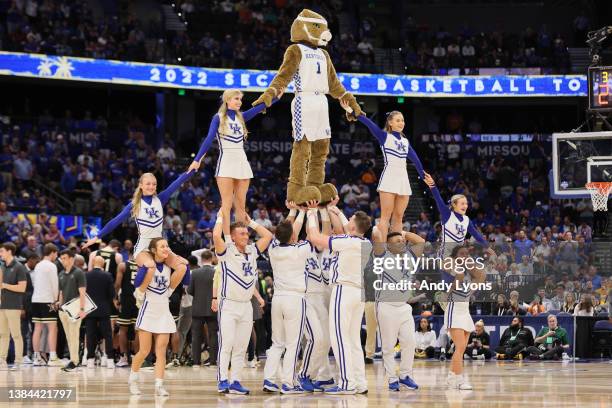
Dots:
pixel 318 67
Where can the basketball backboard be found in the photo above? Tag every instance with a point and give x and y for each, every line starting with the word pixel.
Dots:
pixel 579 158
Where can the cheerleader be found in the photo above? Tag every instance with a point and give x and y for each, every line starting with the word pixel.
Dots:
pixel 457 319
pixel 455 224
pixel 394 186
pixel 233 172
pixel 154 317
pixel 147 209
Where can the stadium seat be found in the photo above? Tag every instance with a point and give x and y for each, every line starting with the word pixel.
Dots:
pixel 554 312
pixel 564 314
pixel 602 337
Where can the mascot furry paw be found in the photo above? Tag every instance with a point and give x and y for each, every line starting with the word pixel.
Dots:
pixel 314 76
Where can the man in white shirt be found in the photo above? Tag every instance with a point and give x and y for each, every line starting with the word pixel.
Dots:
pixel 44 298
pixel 346 304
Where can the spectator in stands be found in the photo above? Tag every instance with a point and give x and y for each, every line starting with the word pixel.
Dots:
pixel 263 219
pixel 593 277
pixel 479 343
pixel 557 302
pixel 568 253
pixel 23 167
pixel 425 340
pixel 192 238
pixel 514 341
pixel 32 247
pixel 569 303
pixel 502 307
pixel 550 343
pixel 542 295
pixel 54 236
pixel 585 307
pixel 522 247
pixel 536 307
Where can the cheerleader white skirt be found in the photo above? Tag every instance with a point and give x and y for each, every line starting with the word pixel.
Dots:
pixel 233 163
pixel 394 179
pixel 155 317
pixel 457 316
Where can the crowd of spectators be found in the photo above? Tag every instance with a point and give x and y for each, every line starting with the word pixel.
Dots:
pixel 253 34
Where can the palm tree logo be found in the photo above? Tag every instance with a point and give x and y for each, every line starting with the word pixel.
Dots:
pixel 44 68
pixel 64 68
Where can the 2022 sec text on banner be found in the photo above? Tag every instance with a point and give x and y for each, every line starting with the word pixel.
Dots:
pixel 174 76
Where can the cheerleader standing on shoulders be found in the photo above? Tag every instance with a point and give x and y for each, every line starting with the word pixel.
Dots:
pixel 233 172
pixel 394 186
pixel 154 317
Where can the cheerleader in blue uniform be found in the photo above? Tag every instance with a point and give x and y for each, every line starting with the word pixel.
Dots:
pixel 393 187
pixel 233 171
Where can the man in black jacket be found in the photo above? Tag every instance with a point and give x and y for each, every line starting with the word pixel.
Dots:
pixel 101 290
pixel 514 340
pixel 201 288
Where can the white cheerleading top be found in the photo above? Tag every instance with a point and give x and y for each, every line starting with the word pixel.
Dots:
pixel 150 218
pixel 395 151
pixel 348 266
pixel 231 136
pixel 159 290
pixel 238 272
pixel 289 266
pixel 311 76
pixel 454 230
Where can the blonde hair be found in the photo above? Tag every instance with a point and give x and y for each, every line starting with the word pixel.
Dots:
pixel 222 112
pixel 390 117
pixel 137 196
pixel 456 198
pixel 479 323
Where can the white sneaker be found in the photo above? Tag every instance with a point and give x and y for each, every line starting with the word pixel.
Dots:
pixel 26 360
pixel 252 363
pixel 565 357
pixel 15 367
pixel 464 383
pixel 91 363
pixel 160 391
pixel 133 383
pixel 3 365
pixel 452 380
pixel 56 362
pixel 110 363
pixel 123 362
pixel 103 361
pixel 39 362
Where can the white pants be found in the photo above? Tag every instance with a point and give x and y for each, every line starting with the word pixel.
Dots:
pixel 345 315
pixel 288 315
pixel 396 322
pixel 235 325
pixel 316 352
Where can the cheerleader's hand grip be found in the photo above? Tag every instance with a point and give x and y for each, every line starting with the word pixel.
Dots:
pixel 139 295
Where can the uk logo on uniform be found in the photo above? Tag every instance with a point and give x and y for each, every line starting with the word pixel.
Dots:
pixel 235 128
pixel 248 269
pixel 161 281
pixel 400 146
pixel 311 264
pixel 460 229
pixel 152 212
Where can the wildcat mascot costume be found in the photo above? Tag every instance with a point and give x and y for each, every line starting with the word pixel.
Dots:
pixel 314 76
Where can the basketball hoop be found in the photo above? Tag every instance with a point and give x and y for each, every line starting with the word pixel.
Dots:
pixel 599 194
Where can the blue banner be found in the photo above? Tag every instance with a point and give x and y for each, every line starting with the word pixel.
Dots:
pixel 495 325
pixel 174 76
pixel 68 225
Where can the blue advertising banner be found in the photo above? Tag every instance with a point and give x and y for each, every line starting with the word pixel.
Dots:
pixel 174 76
pixel 495 325
pixel 68 225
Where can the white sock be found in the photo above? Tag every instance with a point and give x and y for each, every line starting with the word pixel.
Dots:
pixel 159 382
pixel 52 355
pixel 36 354
pixel 133 376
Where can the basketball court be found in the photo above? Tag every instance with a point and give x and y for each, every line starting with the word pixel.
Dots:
pixel 496 384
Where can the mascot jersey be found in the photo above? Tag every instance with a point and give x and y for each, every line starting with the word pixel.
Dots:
pixel 309 106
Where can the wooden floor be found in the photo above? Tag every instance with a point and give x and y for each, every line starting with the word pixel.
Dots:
pixel 496 384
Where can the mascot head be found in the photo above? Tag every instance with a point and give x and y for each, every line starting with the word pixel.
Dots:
pixel 311 28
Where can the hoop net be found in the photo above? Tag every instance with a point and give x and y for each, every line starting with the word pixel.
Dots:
pixel 599 194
